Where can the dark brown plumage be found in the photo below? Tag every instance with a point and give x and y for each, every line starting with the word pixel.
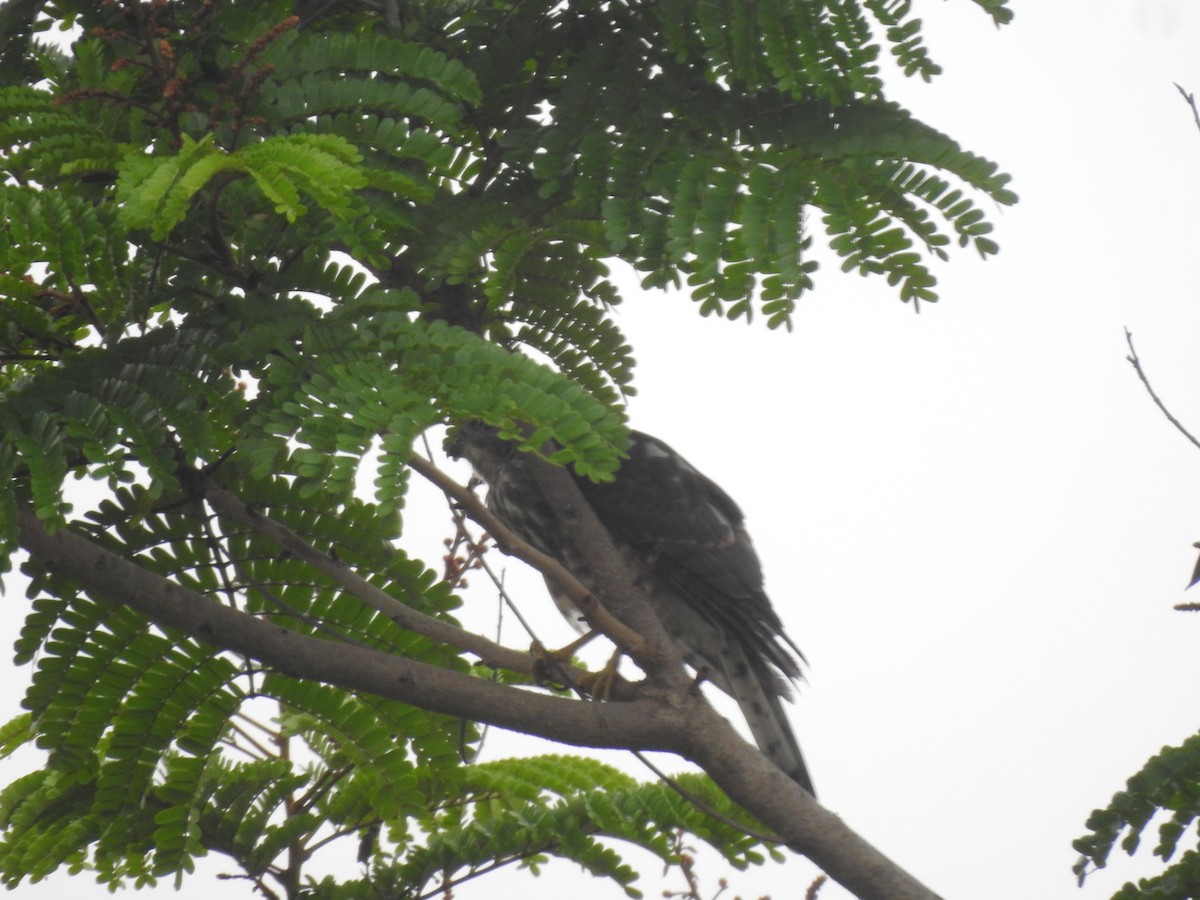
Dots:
pixel 686 540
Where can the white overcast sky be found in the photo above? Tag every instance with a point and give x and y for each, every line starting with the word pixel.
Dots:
pixel 973 520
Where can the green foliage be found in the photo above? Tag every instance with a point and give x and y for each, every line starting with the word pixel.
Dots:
pixel 1169 786
pixel 143 727
pixel 528 809
pixel 247 250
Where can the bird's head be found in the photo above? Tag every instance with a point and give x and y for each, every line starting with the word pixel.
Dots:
pixel 480 445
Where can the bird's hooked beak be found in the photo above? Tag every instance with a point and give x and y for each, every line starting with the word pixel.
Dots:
pixel 481 446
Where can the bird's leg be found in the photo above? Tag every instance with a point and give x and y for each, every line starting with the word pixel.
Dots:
pixel 567 653
pixel 546 661
pixel 600 684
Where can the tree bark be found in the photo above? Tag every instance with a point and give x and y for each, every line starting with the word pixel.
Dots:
pixel 667 714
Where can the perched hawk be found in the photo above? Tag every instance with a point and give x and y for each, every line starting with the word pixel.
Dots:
pixel 690 552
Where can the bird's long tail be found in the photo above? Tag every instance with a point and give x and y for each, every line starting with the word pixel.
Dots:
pixel 759 695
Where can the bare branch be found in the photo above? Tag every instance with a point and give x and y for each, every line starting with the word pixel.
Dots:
pixel 1137 364
pixel 1191 101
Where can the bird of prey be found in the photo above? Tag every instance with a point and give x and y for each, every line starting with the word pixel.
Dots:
pixel 691 554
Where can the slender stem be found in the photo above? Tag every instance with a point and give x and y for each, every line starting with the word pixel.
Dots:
pixel 599 618
pixel 1137 364
pixel 1191 101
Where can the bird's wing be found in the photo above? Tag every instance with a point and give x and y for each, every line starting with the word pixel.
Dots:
pixel 690 533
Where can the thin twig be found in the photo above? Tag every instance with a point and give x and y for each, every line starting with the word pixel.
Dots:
pixel 1137 364
pixel 457 513
pixel 599 618
pixel 1191 101
pixel 558 666
pixel 445 888
pixel 701 805
pixel 263 752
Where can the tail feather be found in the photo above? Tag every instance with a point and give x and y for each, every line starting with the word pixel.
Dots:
pixel 758 695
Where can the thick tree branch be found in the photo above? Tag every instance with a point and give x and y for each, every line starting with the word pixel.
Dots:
pixel 751 781
pixel 647 723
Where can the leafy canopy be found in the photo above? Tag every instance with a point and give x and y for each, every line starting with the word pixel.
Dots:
pixel 1167 787
pixel 255 244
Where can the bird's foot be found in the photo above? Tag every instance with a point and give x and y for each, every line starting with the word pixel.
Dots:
pixel 549 665
pixel 599 685
pixel 550 668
